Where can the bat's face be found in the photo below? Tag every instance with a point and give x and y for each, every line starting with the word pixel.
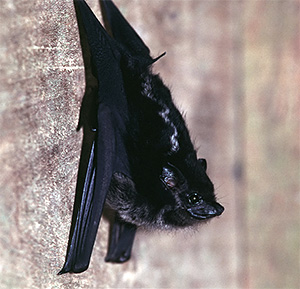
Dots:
pixel 176 199
pixel 193 195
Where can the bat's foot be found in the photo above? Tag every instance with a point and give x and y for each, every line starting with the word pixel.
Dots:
pixel 114 258
pixel 121 241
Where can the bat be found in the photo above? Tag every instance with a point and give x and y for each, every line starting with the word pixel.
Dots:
pixel 141 163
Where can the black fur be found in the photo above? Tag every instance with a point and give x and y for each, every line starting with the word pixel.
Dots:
pixel 142 162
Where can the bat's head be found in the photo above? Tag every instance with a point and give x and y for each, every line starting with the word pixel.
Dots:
pixel 177 198
pixel 193 195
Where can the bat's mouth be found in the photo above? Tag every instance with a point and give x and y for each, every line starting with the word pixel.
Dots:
pixel 206 211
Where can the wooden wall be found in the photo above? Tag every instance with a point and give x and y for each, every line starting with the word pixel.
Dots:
pixel 233 68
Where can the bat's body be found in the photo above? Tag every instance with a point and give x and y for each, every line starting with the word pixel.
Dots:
pixel 142 161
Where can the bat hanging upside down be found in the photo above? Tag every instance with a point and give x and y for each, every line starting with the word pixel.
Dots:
pixel 142 163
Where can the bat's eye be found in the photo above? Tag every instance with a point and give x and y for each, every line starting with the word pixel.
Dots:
pixel 194 198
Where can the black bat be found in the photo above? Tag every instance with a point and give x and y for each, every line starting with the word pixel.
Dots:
pixel 142 163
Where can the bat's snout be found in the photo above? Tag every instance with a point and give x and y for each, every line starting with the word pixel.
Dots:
pixel 206 211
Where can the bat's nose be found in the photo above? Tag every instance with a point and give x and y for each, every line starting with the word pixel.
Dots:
pixel 219 209
pixel 206 211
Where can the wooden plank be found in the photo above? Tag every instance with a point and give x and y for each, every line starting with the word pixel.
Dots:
pixel 272 103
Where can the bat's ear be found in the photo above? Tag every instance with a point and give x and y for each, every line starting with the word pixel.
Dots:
pixel 171 177
pixel 202 163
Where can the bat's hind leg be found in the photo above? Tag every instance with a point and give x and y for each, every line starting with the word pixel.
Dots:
pixel 121 241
